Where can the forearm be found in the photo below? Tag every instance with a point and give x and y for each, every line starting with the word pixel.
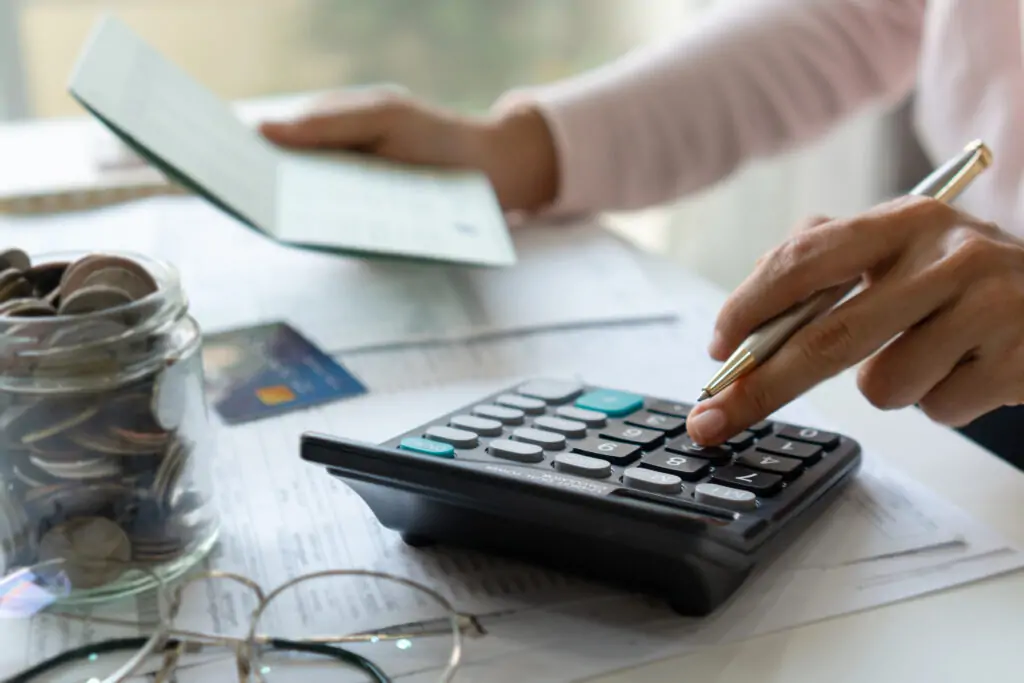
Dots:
pixel 750 80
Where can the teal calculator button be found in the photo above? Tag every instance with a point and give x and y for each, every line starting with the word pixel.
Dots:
pixel 610 402
pixel 427 447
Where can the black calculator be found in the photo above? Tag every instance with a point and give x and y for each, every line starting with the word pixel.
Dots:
pixel 598 482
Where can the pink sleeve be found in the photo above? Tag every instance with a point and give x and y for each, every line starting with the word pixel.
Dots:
pixel 751 79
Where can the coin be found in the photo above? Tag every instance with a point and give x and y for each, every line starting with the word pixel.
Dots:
pixel 77 273
pixel 92 299
pixel 13 285
pixel 14 258
pixel 27 308
pixel 121 278
pixel 95 549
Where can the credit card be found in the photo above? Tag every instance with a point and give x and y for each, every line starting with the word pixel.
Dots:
pixel 269 369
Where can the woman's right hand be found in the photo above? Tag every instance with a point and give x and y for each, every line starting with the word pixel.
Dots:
pixel 514 148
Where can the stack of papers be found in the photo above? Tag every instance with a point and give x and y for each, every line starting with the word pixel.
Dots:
pixel 571 275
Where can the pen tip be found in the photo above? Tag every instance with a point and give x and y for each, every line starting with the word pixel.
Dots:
pixel 704 395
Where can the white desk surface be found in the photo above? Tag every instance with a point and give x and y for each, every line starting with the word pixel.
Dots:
pixel 972 633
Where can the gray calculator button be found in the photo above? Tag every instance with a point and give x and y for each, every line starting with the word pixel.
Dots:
pixel 723 496
pixel 459 438
pixel 569 428
pixel 550 390
pixel 649 480
pixel 591 418
pixel 574 463
pixel 526 404
pixel 477 425
pixel 516 450
pixel 548 440
pixel 509 416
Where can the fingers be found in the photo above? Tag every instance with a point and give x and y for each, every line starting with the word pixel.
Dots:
pixel 973 389
pixel 354 120
pixel 912 365
pixel 822 256
pixel 822 349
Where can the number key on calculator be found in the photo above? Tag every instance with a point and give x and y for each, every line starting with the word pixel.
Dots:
pixel 599 482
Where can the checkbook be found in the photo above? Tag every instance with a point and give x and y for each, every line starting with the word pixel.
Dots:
pixel 340 202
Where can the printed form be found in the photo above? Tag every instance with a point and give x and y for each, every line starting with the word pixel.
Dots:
pixel 339 202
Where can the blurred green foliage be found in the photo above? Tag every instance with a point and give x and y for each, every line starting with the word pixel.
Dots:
pixel 463 52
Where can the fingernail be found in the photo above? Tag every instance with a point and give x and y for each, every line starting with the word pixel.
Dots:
pixel 707 426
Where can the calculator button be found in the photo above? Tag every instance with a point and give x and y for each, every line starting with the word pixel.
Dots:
pixel 477 425
pixel 533 406
pixel 614 452
pixel 417 444
pixel 645 438
pixel 550 390
pixel 559 425
pixel 509 416
pixel 769 462
pixel 611 402
pixel 761 428
pixel 669 408
pixel 516 450
pixel 663 423
pixel 649 480
pixel 574 463
pixel 459 438
pixel 683 466
pixel 826 440
pixel 539 437
pixel 685 446
pixel 809 453
pixel 724 496
pixel 740 441
pixel 762 483
pixel 591 418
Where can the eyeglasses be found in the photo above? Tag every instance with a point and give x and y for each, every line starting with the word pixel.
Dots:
pixel 350 625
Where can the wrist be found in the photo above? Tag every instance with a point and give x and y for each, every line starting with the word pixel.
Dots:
pixel 518 154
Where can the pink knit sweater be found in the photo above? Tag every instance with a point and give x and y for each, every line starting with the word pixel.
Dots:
pixel 758 77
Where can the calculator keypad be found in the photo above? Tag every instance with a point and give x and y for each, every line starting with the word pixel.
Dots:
pixel 518 451
pixel 503 414
pixel 570 428
pixel 650 480
pixel 540 437
pixel 460 438
pixel 662 423
pixel 616 453
pixel 574 463
pixel 638 442
pixel 478 425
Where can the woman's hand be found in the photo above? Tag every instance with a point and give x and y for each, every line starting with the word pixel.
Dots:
pixel 940 319
pixel 515 149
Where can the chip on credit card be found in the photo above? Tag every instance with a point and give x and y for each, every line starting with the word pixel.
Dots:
pixel 269 369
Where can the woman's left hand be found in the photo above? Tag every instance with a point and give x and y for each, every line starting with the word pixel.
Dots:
pixel 940 319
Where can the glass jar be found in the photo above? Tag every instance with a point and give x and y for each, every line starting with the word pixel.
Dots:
pixel 105 445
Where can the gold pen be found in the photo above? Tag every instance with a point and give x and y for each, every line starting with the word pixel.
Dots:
pixel 944 183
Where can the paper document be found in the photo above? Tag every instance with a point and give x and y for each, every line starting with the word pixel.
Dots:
pixel 342 203
pixel 568 276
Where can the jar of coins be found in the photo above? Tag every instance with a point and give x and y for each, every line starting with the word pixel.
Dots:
pixel 104 445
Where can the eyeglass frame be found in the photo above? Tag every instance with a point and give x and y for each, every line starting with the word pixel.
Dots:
pixel 168 608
